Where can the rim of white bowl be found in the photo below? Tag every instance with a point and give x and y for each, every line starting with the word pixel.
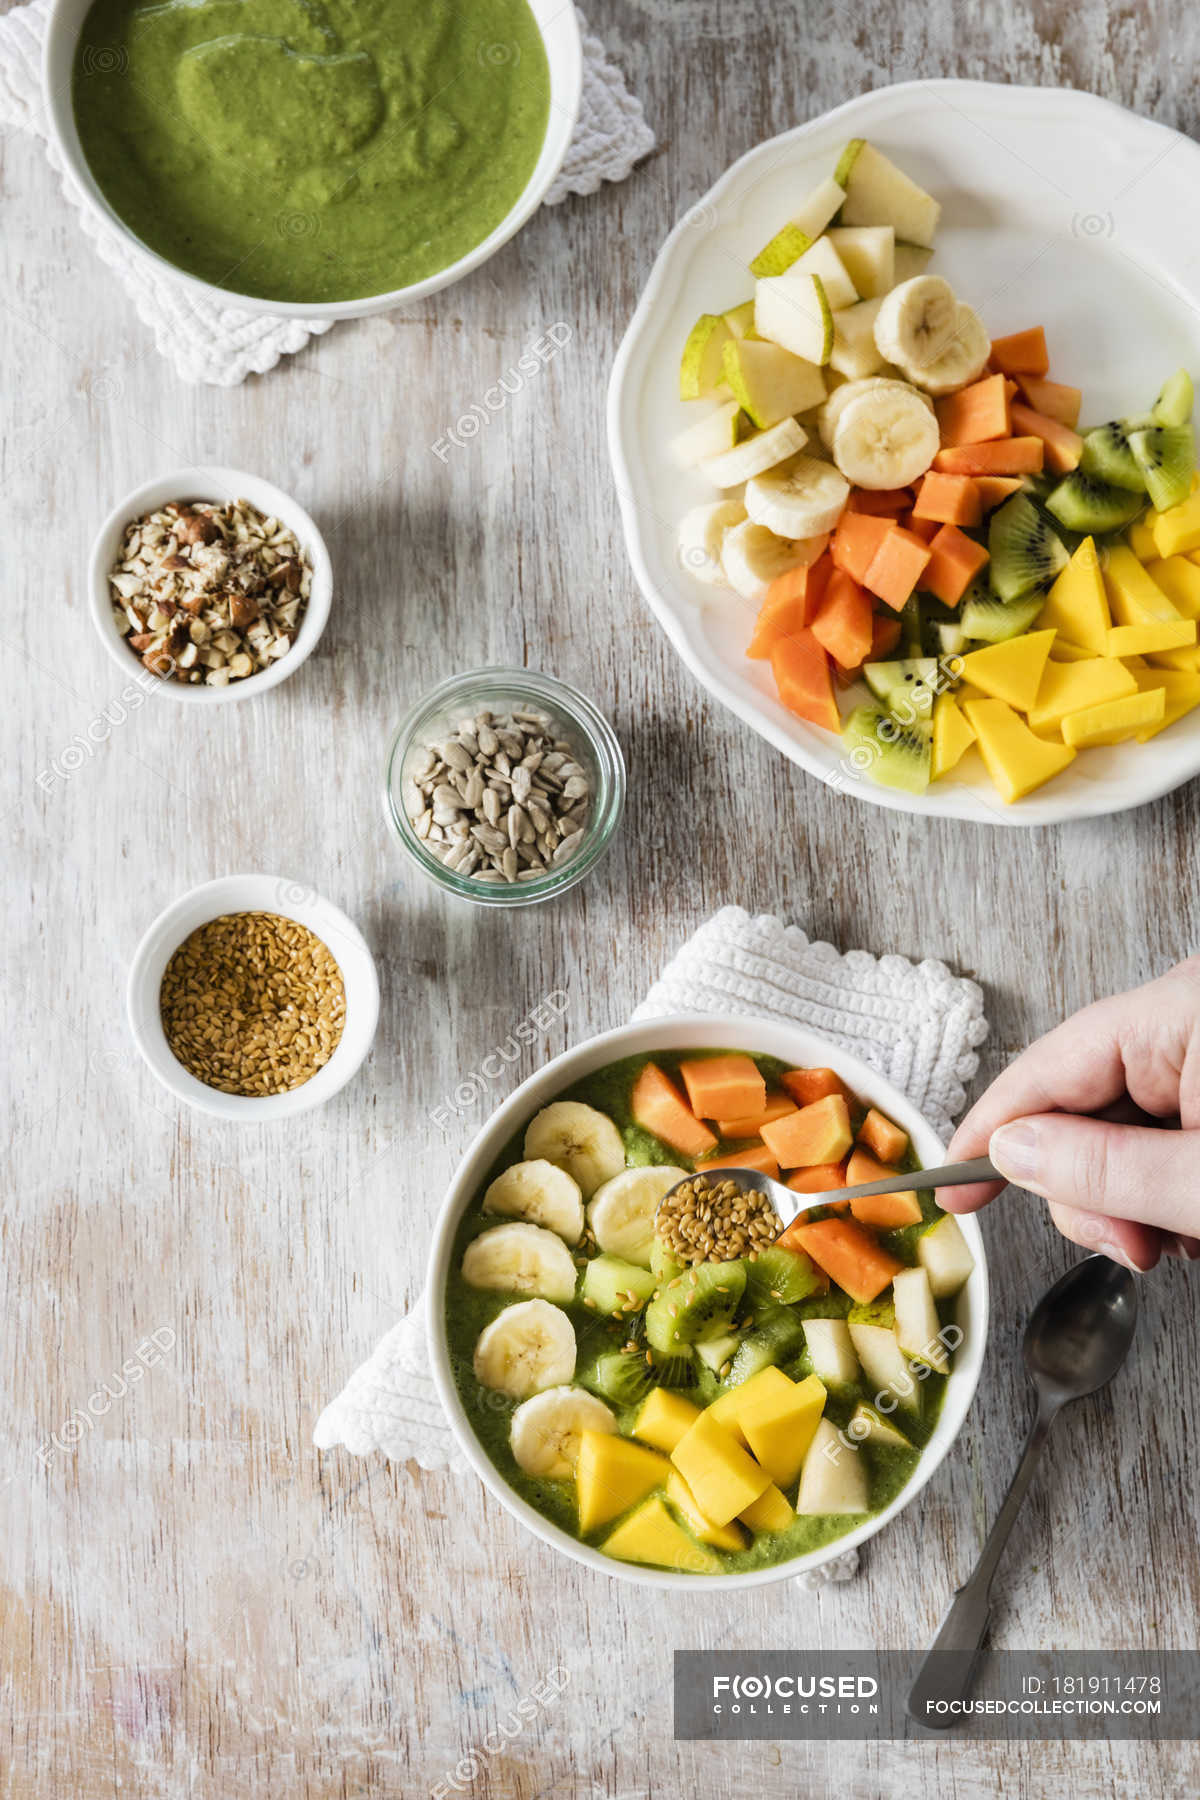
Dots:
pixel 253 893
pixel 222 484
pixel 558 27
pixel 693 1031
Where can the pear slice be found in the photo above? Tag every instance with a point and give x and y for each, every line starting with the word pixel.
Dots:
pixel 801 232
pixel 700 367
pixel 716 431
pixel 868 255
pixel 878 193
pixel 855 353
pixel 823 260
pixel 793 311
pixel 740 319
pixel 770 384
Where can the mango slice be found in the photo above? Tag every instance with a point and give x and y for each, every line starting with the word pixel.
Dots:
pixel 1077 605
pixel 1011 671
pixel 611 1474
pixel 724 1479
pixel 1017 760
pixel 1069 687
pixel 650 1535
pixel 1115 721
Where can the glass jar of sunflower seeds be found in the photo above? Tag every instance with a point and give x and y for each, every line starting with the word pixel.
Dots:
pixel 504 787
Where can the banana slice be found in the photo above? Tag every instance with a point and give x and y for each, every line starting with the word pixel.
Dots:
pixel 541 1193
pixel 916 322
pixel 580 1140
pixel 520 1259
pixel 701 534
pixel 841 397
pixel 802 498
pixel 752 557
pixel 885 438
pixel 963 359
pixel 544 1432
pixel 754 454
pixel 527 1347
pixel 621 1214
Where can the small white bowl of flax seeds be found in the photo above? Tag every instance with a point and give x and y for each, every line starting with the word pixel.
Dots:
pixel 253 998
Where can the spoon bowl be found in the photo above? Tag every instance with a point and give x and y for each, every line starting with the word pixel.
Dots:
pixel 790 1204
pixel 1080 1330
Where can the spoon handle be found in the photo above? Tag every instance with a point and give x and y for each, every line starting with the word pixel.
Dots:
pixel 949 1666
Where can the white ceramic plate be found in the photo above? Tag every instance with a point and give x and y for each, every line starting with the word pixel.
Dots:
pixel 802 1049
pixel 1058 209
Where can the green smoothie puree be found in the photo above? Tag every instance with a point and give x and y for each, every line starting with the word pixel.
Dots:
pixel 311 150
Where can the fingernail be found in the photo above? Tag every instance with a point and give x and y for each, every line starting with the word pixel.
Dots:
pixel 1115 1254
pixel 1013 1149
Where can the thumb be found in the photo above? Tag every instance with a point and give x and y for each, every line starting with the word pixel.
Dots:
pixel 1121 1171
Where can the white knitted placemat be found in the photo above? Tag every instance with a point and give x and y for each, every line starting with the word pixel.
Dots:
pixel 221 344
pixel 916 1023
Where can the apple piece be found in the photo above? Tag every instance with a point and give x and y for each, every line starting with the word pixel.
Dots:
pixel 833 1479
pixel 917 1323
pixel 943 1254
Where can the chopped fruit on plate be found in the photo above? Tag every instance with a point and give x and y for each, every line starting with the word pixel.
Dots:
pixel 899 484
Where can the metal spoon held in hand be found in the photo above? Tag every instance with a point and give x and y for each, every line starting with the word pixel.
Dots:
pixel 1077 1339
pixel 789 1204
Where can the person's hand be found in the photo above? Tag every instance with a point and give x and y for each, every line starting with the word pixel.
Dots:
pixel 1130 1191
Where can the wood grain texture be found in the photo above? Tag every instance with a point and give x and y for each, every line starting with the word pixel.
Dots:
pixel 192 1601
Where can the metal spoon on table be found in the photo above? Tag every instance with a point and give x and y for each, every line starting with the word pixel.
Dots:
pixel 1076 1340
pixel 789 1203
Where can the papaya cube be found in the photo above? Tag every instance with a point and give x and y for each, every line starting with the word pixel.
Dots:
pixel 770 1512
pixel 850 1256
pixel 663 1418
pixel 748 1126
pixel 650 1535
pixel 723 1087
pixel 720 1473
pixel 948 500
pixel 819 1133
pixel 954 561
pixel 857 538
pixel 612 1474
pixel 887 1211
pixel 897 566
pixel 882 1138
pixel 779 1427
pixel 721 1537
pixel 1021 353
pixel 807 1085
pixel 658 1107
pixel 756 1157
pixel 821 1178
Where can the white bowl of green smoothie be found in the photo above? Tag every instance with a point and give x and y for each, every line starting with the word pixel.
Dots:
pixel 319 158
pixel 598 1073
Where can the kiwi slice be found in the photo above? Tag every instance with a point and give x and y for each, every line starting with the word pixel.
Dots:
pixel 698 1304
pixel 675 1371
pixel 1082 503
pixel 1108 457
pixel 1026 552
pixel 890 753
pixel 908 683
pixel 781 1277
pixel 1166 455
pixel 622 1376
pixel 663 1263
pixel 612 1285
pixel 987 620
pixel 1174 404
pixel 910 626
pixel 777 1335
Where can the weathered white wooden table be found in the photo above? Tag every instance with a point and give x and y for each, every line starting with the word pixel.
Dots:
pixel 192 1602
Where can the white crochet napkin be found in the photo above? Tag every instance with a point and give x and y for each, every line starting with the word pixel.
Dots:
pixel 916 1023
pixel 220 344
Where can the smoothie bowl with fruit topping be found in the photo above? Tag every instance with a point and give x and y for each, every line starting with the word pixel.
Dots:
pixel 671 1396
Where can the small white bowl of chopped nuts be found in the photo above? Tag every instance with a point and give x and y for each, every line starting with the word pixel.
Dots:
pixel 210 585
pixel 253 998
